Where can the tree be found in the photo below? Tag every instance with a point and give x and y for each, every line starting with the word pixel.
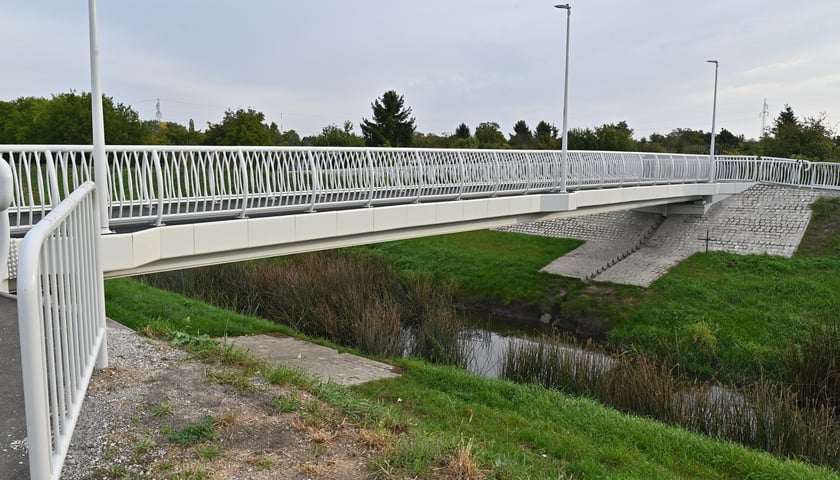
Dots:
pixel 171 133
pixel 808 139
pixel 240 127
pixel 489 135
pixel 522 136
pixel 616 137
pixel 65 119
pixel 392 123
pixel 18 119
pixel 333 136
pixel 727 143
pixel 547 136
pixel 582 139
pixel 463 131
pixel 431 140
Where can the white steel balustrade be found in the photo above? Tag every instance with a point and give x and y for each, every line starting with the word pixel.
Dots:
pixel 152 185
pixel 61 311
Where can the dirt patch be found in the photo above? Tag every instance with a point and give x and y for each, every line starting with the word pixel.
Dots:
pixel 182 418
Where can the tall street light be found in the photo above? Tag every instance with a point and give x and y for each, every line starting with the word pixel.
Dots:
pixel 99 161
pixel 714 111
pixel 565 154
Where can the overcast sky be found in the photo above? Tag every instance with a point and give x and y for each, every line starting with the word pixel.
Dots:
pixel 307 64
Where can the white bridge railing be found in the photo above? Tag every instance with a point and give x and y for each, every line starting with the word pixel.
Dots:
pixel 157 184
pixel 779 171
pixel 151 185
pixel 61 310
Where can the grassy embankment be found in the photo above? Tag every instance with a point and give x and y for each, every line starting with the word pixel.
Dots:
pixel 553 434
pixel 515 431
pixel 732 316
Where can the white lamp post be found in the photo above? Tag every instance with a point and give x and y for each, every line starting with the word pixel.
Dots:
pixel 564 156
pixel 714 112
pixel 100 166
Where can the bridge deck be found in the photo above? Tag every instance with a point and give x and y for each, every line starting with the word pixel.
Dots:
pixel 14 464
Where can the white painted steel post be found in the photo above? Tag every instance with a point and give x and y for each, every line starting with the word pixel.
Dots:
pixel 243 171
pixel 52 179
pixel 6 196
pixel 714 112
pixel 565 139
pixel 99 285
pixel 99 158
pixel 160 189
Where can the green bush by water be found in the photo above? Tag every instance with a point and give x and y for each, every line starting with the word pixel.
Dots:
pixel 764 415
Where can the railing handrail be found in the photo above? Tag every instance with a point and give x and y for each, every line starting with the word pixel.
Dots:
pixel 61 310
pixel 154 184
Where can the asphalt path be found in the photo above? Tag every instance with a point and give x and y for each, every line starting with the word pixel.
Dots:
pixel 14 463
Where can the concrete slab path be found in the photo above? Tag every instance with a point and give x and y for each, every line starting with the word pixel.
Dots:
pixel 325 363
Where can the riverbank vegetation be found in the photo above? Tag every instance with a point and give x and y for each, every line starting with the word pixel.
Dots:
pixel 436 418
pixel 742 348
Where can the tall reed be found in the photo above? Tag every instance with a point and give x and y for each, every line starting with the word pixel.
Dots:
pixel 814 369
pixel 764 415
pixel 354 300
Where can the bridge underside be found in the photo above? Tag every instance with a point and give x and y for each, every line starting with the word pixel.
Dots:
pixel 172 247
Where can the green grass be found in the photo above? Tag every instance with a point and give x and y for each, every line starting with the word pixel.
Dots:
pixel 139 306
pixel 483 264
pixel 716 313
pixel 529 432
pixel 194 433
pixel 821 237
pixel 734 315
pixel 517 431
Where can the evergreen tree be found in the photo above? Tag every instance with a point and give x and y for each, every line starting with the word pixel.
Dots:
pixel 392 123
pixel 463 131
pixel 522 136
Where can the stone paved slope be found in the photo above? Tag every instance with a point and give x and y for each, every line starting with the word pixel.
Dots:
pixel 764 219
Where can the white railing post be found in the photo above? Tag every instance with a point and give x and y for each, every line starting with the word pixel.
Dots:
pixel 314 180
pixel 243 171
pixel 52 180
pixel 369 170
pixel 461 174
pixel 160 189
pixel 6 197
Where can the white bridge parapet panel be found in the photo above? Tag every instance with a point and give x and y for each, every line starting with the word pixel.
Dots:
pixel 181 246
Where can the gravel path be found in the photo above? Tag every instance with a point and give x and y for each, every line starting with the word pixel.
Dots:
pixel 113 395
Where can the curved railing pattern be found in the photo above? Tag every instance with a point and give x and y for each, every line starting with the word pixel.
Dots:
pixel 152 185
pixel 157 184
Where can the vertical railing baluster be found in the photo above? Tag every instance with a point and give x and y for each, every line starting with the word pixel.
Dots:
pixel 243 172
pixel 314 181
pixel 160 187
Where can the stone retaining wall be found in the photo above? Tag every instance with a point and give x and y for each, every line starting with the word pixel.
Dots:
pixel 764 219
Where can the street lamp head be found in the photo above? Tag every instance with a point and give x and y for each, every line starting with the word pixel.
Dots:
pixel 712 61
pixel 564 6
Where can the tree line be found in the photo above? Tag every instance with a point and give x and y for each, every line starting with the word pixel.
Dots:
pixel 65 119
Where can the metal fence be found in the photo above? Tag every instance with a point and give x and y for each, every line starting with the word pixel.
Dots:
pixel 154 184
pixel 779 171
pixel 61 310
pixel 151 185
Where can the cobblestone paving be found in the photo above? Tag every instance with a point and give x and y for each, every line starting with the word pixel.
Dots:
pixel 764 219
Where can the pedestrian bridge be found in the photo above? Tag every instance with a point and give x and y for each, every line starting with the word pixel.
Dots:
pixel 159 208
pixel 167 208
